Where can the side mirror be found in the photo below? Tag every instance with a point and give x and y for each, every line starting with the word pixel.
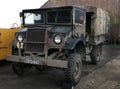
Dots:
pixel 20 14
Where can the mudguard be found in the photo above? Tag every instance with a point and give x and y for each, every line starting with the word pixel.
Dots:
pixel 70 45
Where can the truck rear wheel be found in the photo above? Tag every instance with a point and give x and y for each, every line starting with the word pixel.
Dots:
pixel 73 72
pixel 96 54
pixel 20 68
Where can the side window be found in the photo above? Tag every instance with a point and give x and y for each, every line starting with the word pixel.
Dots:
pixel 79 16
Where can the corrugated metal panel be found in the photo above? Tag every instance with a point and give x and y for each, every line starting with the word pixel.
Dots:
pixel 112 6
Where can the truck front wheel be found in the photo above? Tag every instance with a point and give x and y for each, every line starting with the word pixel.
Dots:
pixel 96 54
pixel 20 68
pixel 73 72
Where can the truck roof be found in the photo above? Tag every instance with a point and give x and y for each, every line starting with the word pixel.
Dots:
pixel 83 8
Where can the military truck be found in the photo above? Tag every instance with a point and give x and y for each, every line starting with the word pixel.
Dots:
pixel 58 37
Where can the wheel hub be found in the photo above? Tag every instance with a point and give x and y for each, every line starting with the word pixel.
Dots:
pixel 76 70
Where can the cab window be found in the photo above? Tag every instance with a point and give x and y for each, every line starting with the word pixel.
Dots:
pixel 79 16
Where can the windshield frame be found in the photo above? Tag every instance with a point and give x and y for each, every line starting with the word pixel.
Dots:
pixel 45 17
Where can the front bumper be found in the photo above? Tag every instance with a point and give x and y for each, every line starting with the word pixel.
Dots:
pixel 38 61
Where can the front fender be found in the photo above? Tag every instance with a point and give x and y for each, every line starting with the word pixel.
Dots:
pixel 72 43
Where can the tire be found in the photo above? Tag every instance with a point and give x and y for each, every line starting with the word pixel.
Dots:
pixel 41 68
pixel 96 54
pixel 73 72
pixel 20 68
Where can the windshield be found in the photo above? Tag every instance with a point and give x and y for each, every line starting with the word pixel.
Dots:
pixel 59 16
pixel 34 18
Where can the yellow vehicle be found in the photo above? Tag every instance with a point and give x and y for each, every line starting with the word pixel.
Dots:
pixel 6 36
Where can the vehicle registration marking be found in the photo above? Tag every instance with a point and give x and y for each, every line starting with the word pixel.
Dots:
pixel 32 61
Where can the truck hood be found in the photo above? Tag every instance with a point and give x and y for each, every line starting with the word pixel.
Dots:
pixel 61 29
pixel 54 29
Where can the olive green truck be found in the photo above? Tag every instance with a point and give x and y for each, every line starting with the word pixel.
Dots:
pixel 58 37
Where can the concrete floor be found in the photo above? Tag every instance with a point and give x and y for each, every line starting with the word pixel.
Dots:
pixel 106 77
pixel 53 78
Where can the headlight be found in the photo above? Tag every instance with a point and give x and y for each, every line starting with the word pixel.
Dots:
pixel 57 39
pixel 20 38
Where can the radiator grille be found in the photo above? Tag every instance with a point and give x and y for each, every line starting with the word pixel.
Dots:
pixel 36 35
pixel 35 40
